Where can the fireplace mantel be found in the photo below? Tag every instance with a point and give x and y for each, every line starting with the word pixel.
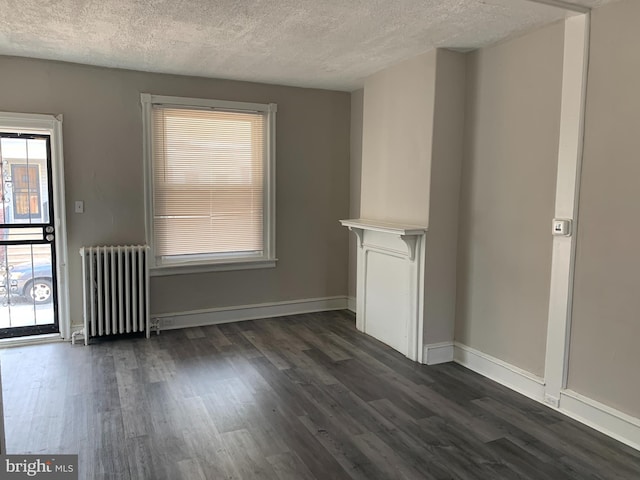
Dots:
pixel 390 290
pixel 407 233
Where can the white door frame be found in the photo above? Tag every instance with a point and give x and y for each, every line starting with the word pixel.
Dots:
pixel 51 125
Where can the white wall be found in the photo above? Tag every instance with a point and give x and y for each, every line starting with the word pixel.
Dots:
pixel 396 142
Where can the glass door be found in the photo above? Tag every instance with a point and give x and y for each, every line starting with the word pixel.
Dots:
pixel 27 248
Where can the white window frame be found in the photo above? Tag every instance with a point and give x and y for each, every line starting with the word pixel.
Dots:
pixel 211 263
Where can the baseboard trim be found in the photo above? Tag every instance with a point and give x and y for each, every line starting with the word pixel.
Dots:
pixel 601 417
pixel 510 376
pixel 351 304
pixel 215 316
pixel 31 340
pixel 436 353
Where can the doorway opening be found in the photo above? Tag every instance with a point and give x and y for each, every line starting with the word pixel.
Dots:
pixel 27 232
pixel 34 297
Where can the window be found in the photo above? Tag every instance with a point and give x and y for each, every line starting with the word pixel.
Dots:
pixel 26 191
pixel 210 184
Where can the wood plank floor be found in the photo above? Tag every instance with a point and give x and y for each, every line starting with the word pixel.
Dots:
pixel 300 397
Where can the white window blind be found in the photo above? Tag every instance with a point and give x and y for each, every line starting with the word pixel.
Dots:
pixel 208 182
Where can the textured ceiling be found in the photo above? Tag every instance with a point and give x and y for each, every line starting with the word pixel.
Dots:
pixel 330 44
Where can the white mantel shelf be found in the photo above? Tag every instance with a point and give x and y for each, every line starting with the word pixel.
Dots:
pixel 385 227
pixel 407 233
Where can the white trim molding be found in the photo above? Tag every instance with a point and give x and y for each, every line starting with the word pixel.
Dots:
pixel 510 376
pixel 216 316
pixel 31 340
pixel 52 125
pixel 574 84
pixel 351 304
pixel 213 267
pixel 601 417
pixel 436 353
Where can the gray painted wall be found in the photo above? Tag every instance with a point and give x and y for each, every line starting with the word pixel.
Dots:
pixel 444 192
pixel 103 167
pixel 604 353
pixel 396 141
pixel 507 197
pixel 355 176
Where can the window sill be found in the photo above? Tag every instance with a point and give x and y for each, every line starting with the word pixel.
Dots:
pixel 184 269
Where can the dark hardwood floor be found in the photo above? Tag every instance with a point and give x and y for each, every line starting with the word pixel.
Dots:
pixel 300 397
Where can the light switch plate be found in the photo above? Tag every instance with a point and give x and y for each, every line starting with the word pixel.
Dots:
pixel 561 227
pixel 79 206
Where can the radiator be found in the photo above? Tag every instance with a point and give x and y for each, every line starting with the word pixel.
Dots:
pixel 115 290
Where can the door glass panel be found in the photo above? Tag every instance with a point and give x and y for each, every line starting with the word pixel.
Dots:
pixel 26 286
pixel 19 234
pixel 24 180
